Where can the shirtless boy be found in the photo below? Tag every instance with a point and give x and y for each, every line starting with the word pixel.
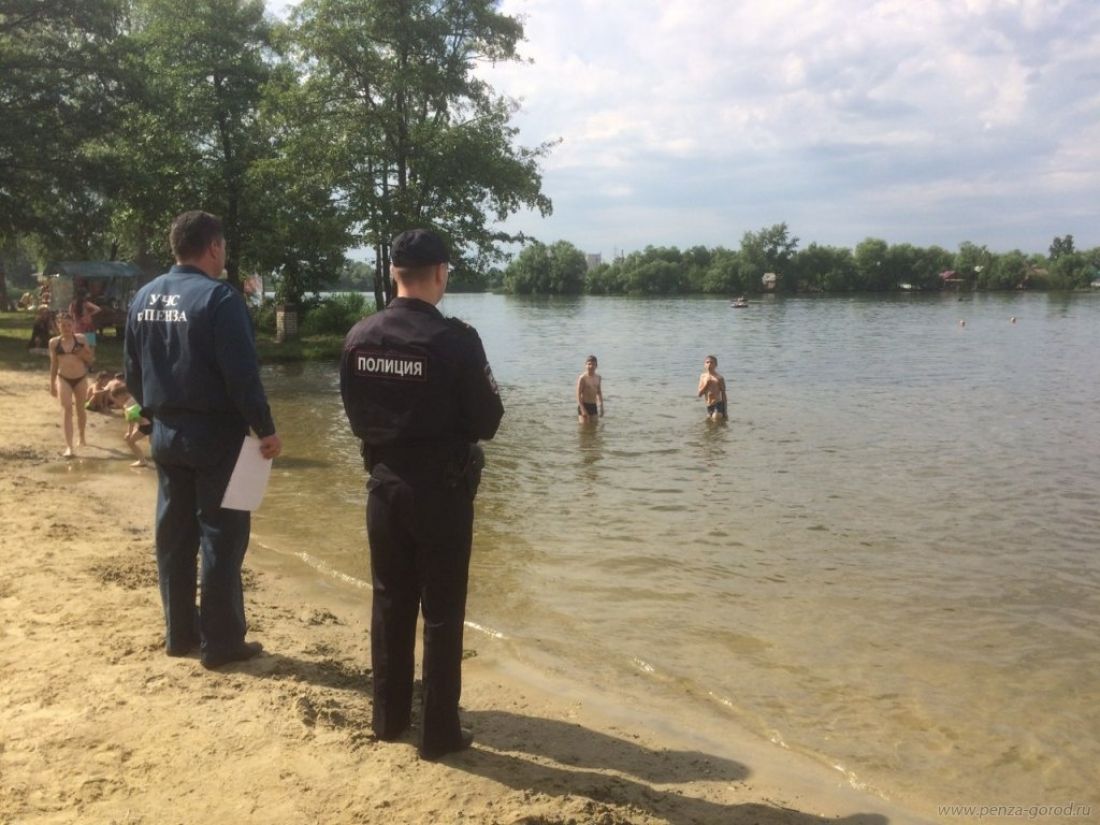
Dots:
pixel 589 392
pixel 712 387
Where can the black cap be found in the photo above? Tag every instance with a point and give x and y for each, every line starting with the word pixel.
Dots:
pixel 418 247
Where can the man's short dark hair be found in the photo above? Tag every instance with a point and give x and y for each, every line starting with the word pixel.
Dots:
pixel 192 232
pixel 417 249
pixel 592 358
pixel 713 358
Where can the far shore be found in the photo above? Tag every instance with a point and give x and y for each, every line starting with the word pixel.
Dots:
pixel 98 725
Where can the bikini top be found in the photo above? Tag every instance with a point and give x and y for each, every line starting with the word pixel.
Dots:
pixel 77 347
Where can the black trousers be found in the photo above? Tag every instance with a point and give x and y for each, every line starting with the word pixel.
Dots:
pixel 420 528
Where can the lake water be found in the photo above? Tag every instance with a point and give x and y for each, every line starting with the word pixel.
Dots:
pixel 887 559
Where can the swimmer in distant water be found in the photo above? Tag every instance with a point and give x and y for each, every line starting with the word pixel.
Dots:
pixel 712 387
pixel 589 392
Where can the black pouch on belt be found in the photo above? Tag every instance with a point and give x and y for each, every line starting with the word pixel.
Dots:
pixel 475 463
pixel 465 469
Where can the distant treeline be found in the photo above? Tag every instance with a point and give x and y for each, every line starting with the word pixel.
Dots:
pixel 771 260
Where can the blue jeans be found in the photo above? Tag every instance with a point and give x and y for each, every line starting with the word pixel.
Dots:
pixel 195 457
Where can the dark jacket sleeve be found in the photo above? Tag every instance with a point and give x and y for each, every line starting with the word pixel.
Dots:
pixel 480 398
pixel 235 354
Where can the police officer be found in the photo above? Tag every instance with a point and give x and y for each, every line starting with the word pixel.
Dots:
pixel 191 363
pixel 419 393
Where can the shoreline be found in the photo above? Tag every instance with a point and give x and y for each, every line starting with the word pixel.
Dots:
pixel 99 725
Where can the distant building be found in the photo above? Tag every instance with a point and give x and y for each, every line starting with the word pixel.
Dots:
pixel 593 259
pixel 769 280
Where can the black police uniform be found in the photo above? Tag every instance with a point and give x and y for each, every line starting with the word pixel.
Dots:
pixel 191 363
pixel 419 393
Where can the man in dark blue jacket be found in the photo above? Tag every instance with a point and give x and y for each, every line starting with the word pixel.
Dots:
pixel 419 393
pixel 191 364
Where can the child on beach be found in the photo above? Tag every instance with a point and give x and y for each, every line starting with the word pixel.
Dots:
pixel 712 387
pixel 135 423
pixel 99 394
pixel 589 392
pixel 42 330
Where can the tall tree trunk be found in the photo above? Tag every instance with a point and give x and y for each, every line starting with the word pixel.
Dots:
pixel 387 281
pixel 233 239
pixel 232 217
pixel 147 262
pixel 5 301
pixel 379 295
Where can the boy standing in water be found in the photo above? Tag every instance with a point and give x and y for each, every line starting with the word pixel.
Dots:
pixel 589 392
pixel 712 387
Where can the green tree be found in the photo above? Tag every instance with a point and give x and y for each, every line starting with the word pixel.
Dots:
pixel 1068 271
pixel 61 82
pixel 1006 272
pixel 1061 246
pixel 917 266
pixel 696 262
pixel 971 261
pixel 558 269
pixel 872 265
pixel 723 274
pixel 655 277
pixel 1092 264
pixel 605 279
pixel 770 250
pixel 529 272
pixel 931 262
pixel 302 229
pixel 656 270
pixel 414 137
pixel 197 131
pixel 825 268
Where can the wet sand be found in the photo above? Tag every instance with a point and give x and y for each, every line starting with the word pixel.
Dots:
pixel 97 725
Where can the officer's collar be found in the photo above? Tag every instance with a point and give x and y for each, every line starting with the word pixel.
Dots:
pixel 416 304
pixel 188 269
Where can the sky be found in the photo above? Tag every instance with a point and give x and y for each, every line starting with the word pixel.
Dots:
pixel 685 122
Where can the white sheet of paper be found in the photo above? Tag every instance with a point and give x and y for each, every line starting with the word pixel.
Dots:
pixel 249 480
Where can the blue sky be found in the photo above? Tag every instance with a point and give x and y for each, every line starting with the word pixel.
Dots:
pixel 924 121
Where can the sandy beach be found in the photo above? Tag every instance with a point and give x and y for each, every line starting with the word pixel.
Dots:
pixel 97 725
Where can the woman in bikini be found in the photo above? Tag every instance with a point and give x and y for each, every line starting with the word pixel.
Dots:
pixel 83 312
pixel 70 356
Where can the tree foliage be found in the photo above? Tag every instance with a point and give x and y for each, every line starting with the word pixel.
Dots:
pixel 558 269
pixel 358 119
pixel 413 136
pixel 351 122
pixel 61 86
pixel 769 250
pixel 872 266
pixel 195 132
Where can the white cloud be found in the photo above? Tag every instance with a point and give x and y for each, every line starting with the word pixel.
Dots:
pixel 883 111
pixel 691 121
